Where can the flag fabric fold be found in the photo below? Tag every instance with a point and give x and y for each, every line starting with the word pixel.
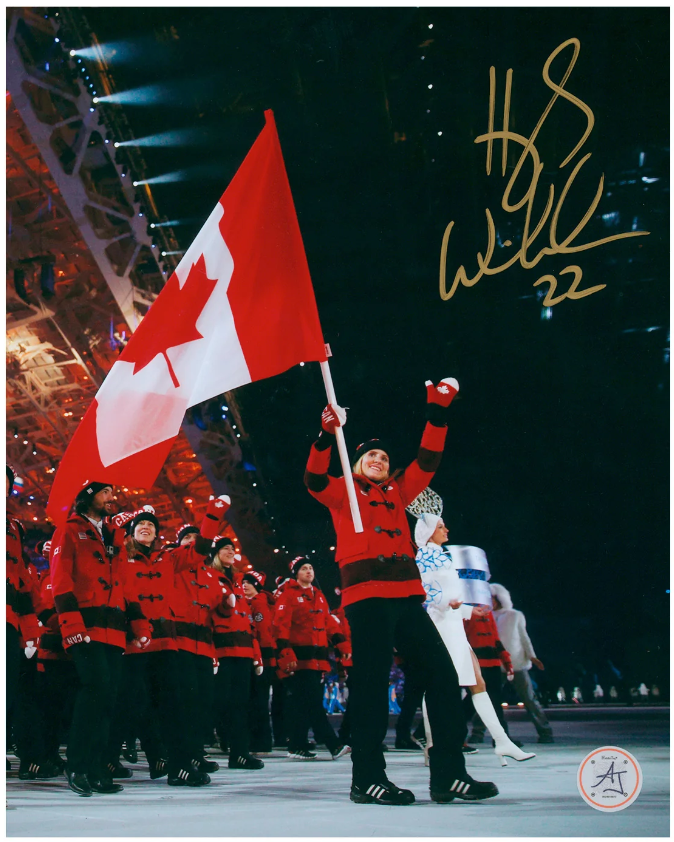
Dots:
pixel 239 307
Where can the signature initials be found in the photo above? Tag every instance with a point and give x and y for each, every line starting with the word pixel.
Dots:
pixel 511 205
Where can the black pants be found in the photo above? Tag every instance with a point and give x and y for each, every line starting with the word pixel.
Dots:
pixel 12 663
pixel 278 709
pixel 232 700
pixel 412 699
pixel 305 710
pixel 492 678
pixel 28 724
pixel 377 626
pixel 260 725
pixel 98 669
pixel 197 680
pixel 57 686
pixel 151 689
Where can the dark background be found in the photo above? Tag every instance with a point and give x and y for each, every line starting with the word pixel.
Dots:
pixel 557 456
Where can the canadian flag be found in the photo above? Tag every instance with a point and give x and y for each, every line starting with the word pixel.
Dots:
pixel 239 307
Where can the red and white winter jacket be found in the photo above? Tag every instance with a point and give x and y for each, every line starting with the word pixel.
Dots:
pixel 378 562
pixel 93 593
pixel 303 624
pixel 262 608
pixel 233 630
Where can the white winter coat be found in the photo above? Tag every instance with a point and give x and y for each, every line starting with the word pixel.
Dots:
pixel 442 584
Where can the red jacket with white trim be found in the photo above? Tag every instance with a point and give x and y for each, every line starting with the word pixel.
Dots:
pixel 154 576
pixel 303 623
pixel 378 562
pixel 233 630
pixel 93 593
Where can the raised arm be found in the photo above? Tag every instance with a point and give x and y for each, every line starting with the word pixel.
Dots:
pixel 418 475
pixel 327 490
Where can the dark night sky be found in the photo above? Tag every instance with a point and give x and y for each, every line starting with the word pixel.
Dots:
pixel 557 456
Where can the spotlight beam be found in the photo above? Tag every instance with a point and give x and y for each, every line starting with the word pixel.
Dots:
pixel 178 137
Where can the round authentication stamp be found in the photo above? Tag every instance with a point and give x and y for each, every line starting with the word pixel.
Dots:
pixel 609 779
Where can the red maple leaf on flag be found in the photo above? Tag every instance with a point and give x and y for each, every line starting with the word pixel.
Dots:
pixel 171 320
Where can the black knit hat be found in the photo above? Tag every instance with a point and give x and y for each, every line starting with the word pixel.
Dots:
pixel 255 579
pixel 87 494
pixel 298 562
pixel 185 530
pixel 141 516
pixel 219 544
pixel 371 444
pixel 11 476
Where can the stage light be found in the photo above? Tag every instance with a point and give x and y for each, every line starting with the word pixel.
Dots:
pixel 57 40
pixel 430 26
pixel 167 178
pixel 163 254
pixel 72 52
pixel 439 134
pixel 170 224
pixel 332 548
pixel 301 363
pixel 429 87
pixel 254 485
pixel 161 94
pixel 95 99
pixel 107 140
pixel 116 144
pixel 135 184
pixel 92 109
pixel 176 137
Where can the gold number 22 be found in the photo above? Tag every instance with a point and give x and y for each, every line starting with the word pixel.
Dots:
pixel 573 293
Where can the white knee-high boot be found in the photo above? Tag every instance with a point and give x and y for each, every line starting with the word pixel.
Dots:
pixel 504 745
pixel 427 727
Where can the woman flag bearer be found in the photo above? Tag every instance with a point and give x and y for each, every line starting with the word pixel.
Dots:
pixel 382 595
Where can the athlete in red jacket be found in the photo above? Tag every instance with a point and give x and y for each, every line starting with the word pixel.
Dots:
pixel 95 599
pixel 302 625
pixel 262 610
pixel 238 654
pixel 383 595
pixel 151 682
pixel 199 593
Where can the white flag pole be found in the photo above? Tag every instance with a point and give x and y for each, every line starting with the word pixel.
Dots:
pixel 343 455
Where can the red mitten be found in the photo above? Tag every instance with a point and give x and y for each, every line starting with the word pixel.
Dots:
pixel 141 642
pixel 344 650
pixel 217 506
pixel 507 663
pixel 333 416
pixel 443 393
pixel 287 661
pixel 216 664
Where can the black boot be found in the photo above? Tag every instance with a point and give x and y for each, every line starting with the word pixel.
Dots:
pixel 204 764
pixel 463 787
pixel 158 769
pixel 407 744
pixel 105 785
pixel 384 792
pixel 129 752
pixel 38 771
pixel 116 770
pixel 79 783
pixel 188 777
pixel 244 761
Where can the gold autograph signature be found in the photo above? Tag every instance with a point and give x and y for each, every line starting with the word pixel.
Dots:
pixel 511 205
